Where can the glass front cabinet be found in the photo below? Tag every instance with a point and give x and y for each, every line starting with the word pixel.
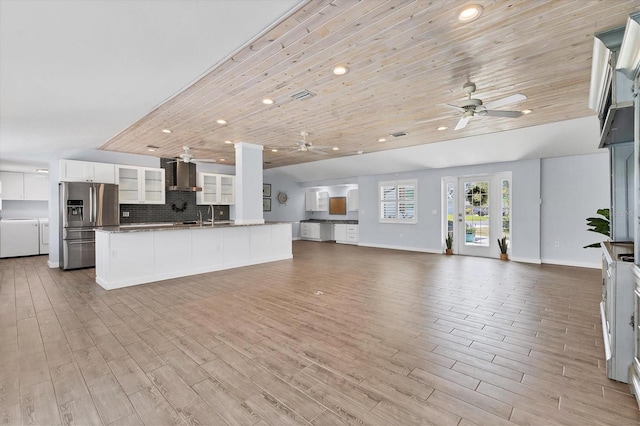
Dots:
pixel 217 189
pixel 140 185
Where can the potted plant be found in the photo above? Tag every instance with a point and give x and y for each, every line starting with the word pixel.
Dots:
pixel 599 225
pixel 449 242
pixel 470 234
pixel 504 246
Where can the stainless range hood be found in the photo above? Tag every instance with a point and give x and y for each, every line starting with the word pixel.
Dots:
pixel 181 176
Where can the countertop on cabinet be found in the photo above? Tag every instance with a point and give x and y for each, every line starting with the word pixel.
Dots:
pixel 615 250
pixel 171 226
pixel 331 221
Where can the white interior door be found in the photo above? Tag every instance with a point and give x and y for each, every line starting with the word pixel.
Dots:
pixel 478 213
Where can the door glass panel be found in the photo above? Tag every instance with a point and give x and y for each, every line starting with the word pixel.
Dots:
pixel 450 207
pixel 506 209
pixel 476 208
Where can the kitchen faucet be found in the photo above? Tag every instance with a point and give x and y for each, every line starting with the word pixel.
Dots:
pixel 199 218
pixel 212 211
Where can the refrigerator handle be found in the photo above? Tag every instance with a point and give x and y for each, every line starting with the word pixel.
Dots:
pixel 91 204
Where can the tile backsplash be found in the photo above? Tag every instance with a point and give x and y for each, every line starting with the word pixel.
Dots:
pixel 179 206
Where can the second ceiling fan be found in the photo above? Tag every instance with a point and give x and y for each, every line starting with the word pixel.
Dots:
pixel 473 106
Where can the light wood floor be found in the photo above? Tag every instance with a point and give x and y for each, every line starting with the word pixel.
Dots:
pixel 394 338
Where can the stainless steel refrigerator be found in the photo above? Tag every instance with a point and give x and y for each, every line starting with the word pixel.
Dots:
pixel 84 207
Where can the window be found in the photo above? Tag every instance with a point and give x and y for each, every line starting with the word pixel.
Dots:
pixel 398 201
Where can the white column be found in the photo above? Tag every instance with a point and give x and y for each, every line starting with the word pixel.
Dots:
pixel 248 184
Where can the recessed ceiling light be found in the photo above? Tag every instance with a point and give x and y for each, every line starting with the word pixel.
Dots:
pixel 442 128
pixel 274 150
pixel 382 140
pixel 268 101
pixel 166 130
pixel 151 149
pixel 527 111
pixel 360 152
pixel 335 148
pixel 228 142
pixel 221 121
pixel 223 160
pixel 470 12
pixel 42 170
pixel 340 70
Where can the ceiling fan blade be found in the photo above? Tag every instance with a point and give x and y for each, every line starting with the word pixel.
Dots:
pixel 462 123
pixel 316 151
pixel 202 160
pixel 505 101
pixel 319 147
pixel 457 108
pixel 509 114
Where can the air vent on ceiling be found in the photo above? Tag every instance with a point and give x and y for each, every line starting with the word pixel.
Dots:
pixel 398 134
pixel 303 95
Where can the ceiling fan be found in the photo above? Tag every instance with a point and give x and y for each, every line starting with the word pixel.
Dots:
pixel 187 157
pixel 474 106
pixel 304 146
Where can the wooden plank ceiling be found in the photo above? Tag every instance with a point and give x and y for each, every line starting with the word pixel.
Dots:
pixel 406 59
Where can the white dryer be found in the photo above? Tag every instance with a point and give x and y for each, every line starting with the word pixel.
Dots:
pixel 43 227
pixel 19 237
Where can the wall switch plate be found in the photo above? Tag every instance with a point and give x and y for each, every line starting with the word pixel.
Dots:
pixel 125 214
pixel 556 244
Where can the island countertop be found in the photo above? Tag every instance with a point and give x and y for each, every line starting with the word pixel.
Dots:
pixel 171 226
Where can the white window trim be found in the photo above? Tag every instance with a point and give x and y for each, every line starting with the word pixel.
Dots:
pixel 396 183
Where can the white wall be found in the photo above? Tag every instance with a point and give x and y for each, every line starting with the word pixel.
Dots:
pixel 23 209
pixel 293 209
pixel 573 188
pixel 427 235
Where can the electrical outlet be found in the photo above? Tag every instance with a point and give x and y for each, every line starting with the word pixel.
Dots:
pixel 556 244
pixel 114 254
pixel 125 214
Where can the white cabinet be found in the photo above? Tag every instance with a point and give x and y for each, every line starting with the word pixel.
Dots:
pixel 616 310
pixel 24 186
pixel 85 171
pixel 140 185
pixel 217 189
pixel 352 200
pixel 317 201
pixel 346 233
pixel 315 231
pixel 36 187
pixel 12 185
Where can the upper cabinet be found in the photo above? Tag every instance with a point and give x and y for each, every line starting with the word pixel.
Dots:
pixel 217 189
pixel 24 186
pixel 36 187
pixel 12 185
pixel 352 200
pixel 85 171
pixel 317 201
pixel 140 185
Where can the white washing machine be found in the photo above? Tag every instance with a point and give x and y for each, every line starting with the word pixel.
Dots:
pixel 43 227
pixel 19 237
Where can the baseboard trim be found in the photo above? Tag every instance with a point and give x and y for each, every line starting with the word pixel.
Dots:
pixel 571 263
pixel 392 247
pixel 526 260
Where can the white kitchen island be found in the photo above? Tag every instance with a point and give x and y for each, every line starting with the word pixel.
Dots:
pixel 131 255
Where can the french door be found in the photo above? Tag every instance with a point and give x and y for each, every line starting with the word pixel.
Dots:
pixel 478 213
